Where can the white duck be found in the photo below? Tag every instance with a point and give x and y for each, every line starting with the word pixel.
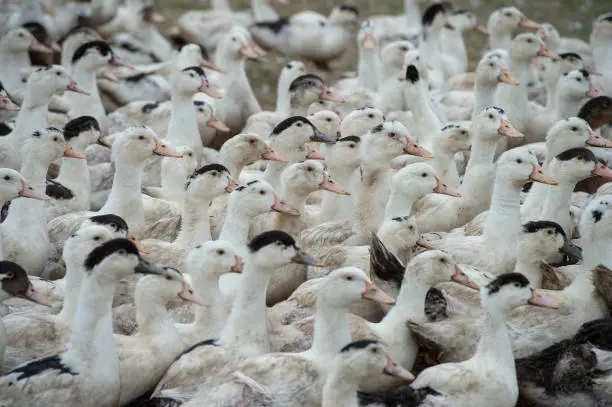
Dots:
pixel 14 58
pixel 87 373
pixel 502 22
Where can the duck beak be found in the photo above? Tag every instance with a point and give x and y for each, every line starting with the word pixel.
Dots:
pixel 593 91
pixel 507 129
pixel 376 294
pixel 144 267
pixel 329 95
pixel 460 277
pixel 117 62
pixel 281 206
pixel 319 137
pixel 482 29
pixel 331 186
pixel 211 65
pixel 527 23
pixel 259 50
pixel 544 52
pixel 69 152
pixel 73 87
pixel 188 294
pixel 156 18
pixel 592 72
pixel 38 46
pixel 108 75
pixel 211 90
pixel 165 150
pixel 231 185
pixel 7 104
pixel 34 296
pixel 423 243
pixel 369 42
pixel 238 266
pixel 28 191
pixel 505 76
pixel 413 148
pixel 602 170
pixel 573 252
pixel 444 189
pixel 217 124
pixel 538 175
pixel 248 51
pixel 301 257
pixel 314 155
pixel 141 248
pixel 272 155
pixel 393 369
pixel 595 141
pixel 538 298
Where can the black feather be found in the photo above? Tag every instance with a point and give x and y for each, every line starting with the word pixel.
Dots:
pixel 149 107
pixel 5 129
pixel 79 125
pixel 5 211
pixel 102 46
pixel 597 215
pixel 593 110
pixel 38 30
pixel 136 78
pixel 204 169
pixel 308 79
pixel 378 128
pixel 349 7
pixel 565 55
pixel 285 124
pixel 363 343
pixel 355 139
pixel 97 255
pixel 536 226
pixel 412 74
pixel 109 219
pixel 275 26
pixel 207 342
pixel 57 191
pixel 506 279
pixel 432 11
pixel 405 397
pixel 40 365
pixel 572 153
pixel 195 69
pixel 384 264
pixel 270 237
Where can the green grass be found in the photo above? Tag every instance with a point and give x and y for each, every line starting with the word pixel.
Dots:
pixel 571 17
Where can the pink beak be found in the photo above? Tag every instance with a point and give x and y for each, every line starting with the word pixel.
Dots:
pixel 272 155
pixel 38 46
pixel 282 207
pixel 332 186
pixel 33 296
pixel 537 298
pixel 28 191
pixel 441 188
pixel 165 150
pixel 72 86
pixel 596 141
pixel 210 90
pixel 393 369
pixel 543 52
pixel 314 155
pixel 7 104
pixel 328 94
pixel 602 170
pixel 188 294
pixel 593 91
pixel 238 266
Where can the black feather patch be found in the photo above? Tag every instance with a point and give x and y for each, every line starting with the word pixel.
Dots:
pixel 101 46
pixel 384 264
pixel 204 169
pixel 307 80
pixel 110 219
pixel 499 109
pixel 597 215
pixel 592 107
pixel 40 365
pixel 136 78
pixel 378 128
pixel 57 191
pixel 5 129
pixel 79 125
pixel 605 17
pixel 208 342
pixel 285 124
pixel 37 30
pixel 355 139
pixel 350 8
pixel 432 11
pixel 536 226
pixel 572 153
pixel 15 280
pixel 5 211
pixel 506 279
pixel 412 74
pixel 565 55
pixel 97 255
pixel 406 396
pixel 597 332
pixel 195 69
pixel 435 305
pixel 270 237
pixel 364 343
pixel 149 107
pixel 275 26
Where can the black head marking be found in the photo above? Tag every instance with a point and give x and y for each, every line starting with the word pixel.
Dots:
pixel 197 70
pixel 5 129
pixel 137 78
pixel 572 153
pixel 306 80
pixel 350 8
pixel 78 30
pixel 285 124
pixel 499 109
pixel 412 74
pixel 57 191
pixel 384 264
pixel 149 107
pixel 275 26
pixel 14 279
pixel 36 133
pixel 597 215
pixel 97 255
pixel 585 73
pixel 101 46
pixel 38 30
pixel 53 363
pixel 566 55
pixel 252 182
pixel 450 126
pixel 355 139
pixel 378 128
pixel 109 219
pixel 199 103
pixel 506 279
pixel 592 106
pixel 536 226
pixel 361 344
pixel 267 238
pixel 79 125
pixel 44 68
pixel 204 169
pixel 243 187
pixel 432 11
pixel 605 17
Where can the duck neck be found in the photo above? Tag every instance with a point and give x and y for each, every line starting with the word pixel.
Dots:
pixel 567 106
pixel 296 198
pixel 236 228
pixel 73 278
pixel 551 95
pixel 183 127
pixel 262 11
pixel 274 169
pixel 339 390
pixel 336 206
pixel 331 331
pixel 74 174
pixel 412 13
pixel 483 97
pixel 596 252
pixel 495 348
pixel 504 221
pixel 152 317
pixel 444 166
pixel 499 39
pixel 528 264
pixel 195 225
pixel 207 286
pixel 426 120
pixel 400 203
pixel 368 214
pixel 86 78
pixel 480 163
pixel 558 199
pixel 409 305
pixel 12 64
pixel 231 159
pixel 283 99
pixel 248 320
pixel 368 68
pixel 92 339
pixel 32 114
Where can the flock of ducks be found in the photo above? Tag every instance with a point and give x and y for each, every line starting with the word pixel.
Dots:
pixel 412 235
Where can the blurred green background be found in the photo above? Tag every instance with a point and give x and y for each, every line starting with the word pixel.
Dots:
pixel 573 18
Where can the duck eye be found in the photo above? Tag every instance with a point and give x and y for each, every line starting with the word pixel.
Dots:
pixel 7 178
pixel 349 278
pixel 252 141
pixel 443 260
pixel 329 119
pixel 519 161
pixel 198 246
pixel 279 243
pixel 580 158
pixel 10 274
pixel 392 134
pixel 58 74
pixel 213 173
pixel 234 39
pixel 262 192
pixel 55 139
pixel 517 285
pixel 168 277
pixel 463 132
pixel 121 251
pixel 289 66
pixel 140 137
pixel 351 145
pixel 574 128
pixel 529 40
pixel 374 350
pixel 550 232
pixel 309 169
pixel 220 252
pixel 491 116
pixel 424 175
pixel 190 154
pixel 410 227
pixel 371 116
pixel 578 79
pixel 97 238
pixel 299 124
